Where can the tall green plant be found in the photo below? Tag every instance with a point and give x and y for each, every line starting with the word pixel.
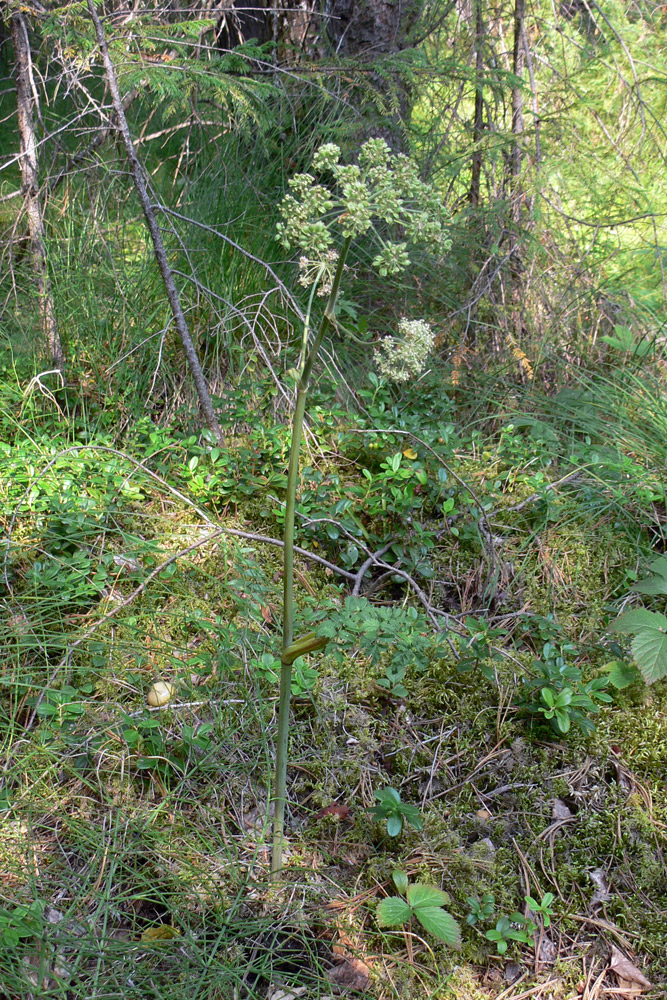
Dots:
pixel 375 199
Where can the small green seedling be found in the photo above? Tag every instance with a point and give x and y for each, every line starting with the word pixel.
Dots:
pixel 513 928
pixel 423 902
pixel 480 912
pixel 391 808
pixel 544 908
pixel 557 707
pixel 20 924
pixel 559 693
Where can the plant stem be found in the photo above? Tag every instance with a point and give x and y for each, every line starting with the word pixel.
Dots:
pixel 328 320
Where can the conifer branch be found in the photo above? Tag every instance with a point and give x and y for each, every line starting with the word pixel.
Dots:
pixel 156 236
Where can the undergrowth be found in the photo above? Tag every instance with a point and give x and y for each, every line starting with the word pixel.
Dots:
pixel 135 838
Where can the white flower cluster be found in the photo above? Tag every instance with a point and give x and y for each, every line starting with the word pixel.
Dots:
pixel 382 186
pixel 405 358
pixel 321 271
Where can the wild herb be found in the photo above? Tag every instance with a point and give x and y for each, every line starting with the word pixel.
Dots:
pixel 423 902
pixel 321 220
pixel 394 811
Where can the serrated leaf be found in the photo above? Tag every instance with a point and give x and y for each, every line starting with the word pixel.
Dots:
pixel 426 895
pixel 440 924
pixel 400 880
pixel 637 620
pixel 392 912
pixel 649 648
pixel 621 674
pixel 650 585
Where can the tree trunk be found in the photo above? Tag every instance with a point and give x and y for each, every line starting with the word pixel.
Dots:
pixel 30 176
pixel 368 30
pixel 478 126
pixel 517 95
pixel 156 236
pixel 515 187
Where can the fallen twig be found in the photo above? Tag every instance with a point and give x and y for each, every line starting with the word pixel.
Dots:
pixel 366 565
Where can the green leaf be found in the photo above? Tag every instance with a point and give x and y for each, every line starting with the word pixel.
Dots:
pixel 637 620
pixel 412 815
pixel 621 674
pixel 548 697
pixel 564 698
pixel 562 722
pixel 426 895
pixel 388 796
pixel 651 585
pixel 392 912
pixel 440 924
pixel 394 825
pixel 400 880
pixel 659 566
pixel 649 648
pixel 10 937
pixel 305 644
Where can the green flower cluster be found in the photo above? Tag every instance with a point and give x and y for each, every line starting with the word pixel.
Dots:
pixel 405 358
pixel 302 213
pixel 383 187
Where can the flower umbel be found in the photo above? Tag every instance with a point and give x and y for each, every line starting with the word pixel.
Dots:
pixel 347 199
pixel 405 358
pixel 320 271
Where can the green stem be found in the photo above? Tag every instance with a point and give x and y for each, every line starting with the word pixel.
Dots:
pixel 328 320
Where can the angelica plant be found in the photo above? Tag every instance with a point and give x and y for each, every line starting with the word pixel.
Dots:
pixel 323 213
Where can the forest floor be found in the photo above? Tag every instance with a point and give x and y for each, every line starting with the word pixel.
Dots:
pixel 135 838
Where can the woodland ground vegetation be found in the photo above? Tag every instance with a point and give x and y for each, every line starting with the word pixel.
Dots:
pixel 476 760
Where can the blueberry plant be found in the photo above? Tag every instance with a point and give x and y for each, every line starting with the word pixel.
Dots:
pixel 382 202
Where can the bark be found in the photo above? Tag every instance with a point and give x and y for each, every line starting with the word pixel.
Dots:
pixel 516 193
pixel 478 126
pixel 370 28
pixel 517 91
pixel 30 176
pixel 250 20
pixel 156 236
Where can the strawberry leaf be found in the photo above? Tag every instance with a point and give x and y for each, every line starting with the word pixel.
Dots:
pixel 392 912
pixel 440 924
